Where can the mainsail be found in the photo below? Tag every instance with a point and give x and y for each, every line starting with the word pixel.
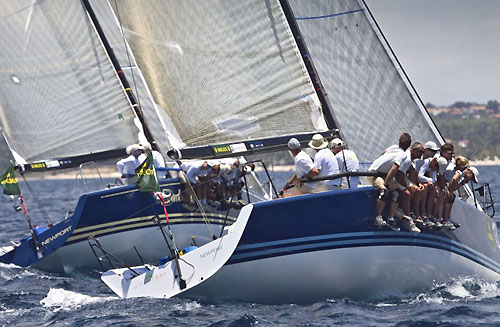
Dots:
pixel 369 94
pixel 223 71
pixel 59 93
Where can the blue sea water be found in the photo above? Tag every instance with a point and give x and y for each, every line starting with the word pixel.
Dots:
pixel 29 297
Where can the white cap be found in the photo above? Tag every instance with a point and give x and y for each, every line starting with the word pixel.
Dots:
pixel 293 144
pixel 133 147
pixel 431 145
pixel 146 146
pixel 336 142
pixel 475 172
pixel 442 164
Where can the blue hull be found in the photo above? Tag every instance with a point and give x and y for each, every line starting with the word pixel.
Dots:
pixel 115 213
pixel 339 219
pixel 311 247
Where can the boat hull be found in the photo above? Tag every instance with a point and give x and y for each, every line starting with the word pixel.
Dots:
pixel 312 247
pixel 121 218
pixel 361 273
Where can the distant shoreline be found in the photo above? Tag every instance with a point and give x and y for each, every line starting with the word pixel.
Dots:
pixel 110 172
pixel 486 162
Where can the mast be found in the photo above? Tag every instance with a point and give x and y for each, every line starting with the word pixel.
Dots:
pixel 120 73
pixel 326 105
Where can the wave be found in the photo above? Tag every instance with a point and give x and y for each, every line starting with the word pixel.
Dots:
pixel 61 299
pixel 458 289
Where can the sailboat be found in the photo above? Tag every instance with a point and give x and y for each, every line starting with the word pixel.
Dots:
pixel 224 80
pixel 313 246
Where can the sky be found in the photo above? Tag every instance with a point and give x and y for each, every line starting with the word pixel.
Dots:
pixel 449 48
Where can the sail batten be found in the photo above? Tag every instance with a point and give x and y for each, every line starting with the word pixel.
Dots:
pixel 59 94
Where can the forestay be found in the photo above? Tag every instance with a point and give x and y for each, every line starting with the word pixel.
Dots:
pixel 59 93
pixel 223 71
pixel 370 97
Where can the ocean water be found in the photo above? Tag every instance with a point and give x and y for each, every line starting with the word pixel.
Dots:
pixel 29 297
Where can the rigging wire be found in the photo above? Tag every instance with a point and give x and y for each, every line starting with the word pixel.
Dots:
pixel 37 200
pixel 128 54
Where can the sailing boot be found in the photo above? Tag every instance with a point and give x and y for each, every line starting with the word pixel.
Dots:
pixel 379 221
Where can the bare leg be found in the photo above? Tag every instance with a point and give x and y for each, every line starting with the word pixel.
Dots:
pixel 405 201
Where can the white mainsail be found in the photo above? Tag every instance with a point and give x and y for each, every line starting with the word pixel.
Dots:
pixel 371 99
pixel 223 71
pixel 59 93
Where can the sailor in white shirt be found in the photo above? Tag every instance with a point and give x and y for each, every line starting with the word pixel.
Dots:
pixel 195 171
pixel 325 162
pixel 304 167
pixel 347 161
pixel 126 167
pixel 388 165
pixel 427 177
pixel 414 191
pixel 159 162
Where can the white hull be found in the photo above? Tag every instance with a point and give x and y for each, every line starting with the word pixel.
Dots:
pixel 359 273
pixel 196 267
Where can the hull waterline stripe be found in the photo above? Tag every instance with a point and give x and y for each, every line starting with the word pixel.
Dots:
pixel 412 237
pixel 131 220
pixel 129 227
pixel 251 256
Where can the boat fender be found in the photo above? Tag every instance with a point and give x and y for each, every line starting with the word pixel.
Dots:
pixel 189 249
pixel 165 259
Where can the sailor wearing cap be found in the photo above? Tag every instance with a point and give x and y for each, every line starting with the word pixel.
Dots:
pixel 325 162
pixel 463 174
pixel 427 177
pixel 304 167
pixel 347 161
pixel 445 171
pixel 126 167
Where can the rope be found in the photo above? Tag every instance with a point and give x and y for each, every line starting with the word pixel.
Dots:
pixel 198 203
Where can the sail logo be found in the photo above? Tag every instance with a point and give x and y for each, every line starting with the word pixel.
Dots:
pixel 56 235
pixel 222 149
pixel 38 165
pixel 146 172
pixel 9 180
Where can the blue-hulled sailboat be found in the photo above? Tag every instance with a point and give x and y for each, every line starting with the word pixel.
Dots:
pixel 232 79
pixel 314 246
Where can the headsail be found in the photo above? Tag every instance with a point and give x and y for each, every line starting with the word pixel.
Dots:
pixel 159 124
pixel 59 94
pixel 223 71
pixel 370 97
